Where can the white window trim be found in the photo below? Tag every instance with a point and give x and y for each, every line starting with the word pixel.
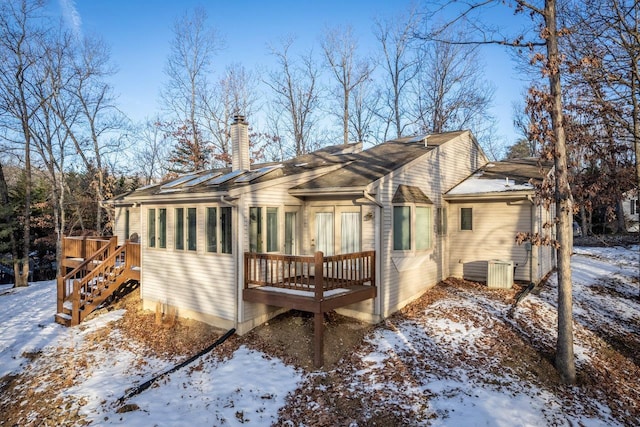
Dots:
pixel 219 232
pixel 412 244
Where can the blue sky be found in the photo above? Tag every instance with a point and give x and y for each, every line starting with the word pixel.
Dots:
pixel 139 32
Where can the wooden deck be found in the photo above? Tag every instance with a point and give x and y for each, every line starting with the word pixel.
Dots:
pixel 315 284
pixel 92 270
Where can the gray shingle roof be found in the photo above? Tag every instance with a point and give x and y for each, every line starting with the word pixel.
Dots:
pixel 359 168
pixel 410 194
pixel 372 164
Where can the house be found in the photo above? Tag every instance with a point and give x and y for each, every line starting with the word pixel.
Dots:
pixel 361 232
pixel 488 209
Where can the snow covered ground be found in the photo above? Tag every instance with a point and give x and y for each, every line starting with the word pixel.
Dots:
pixel 457 359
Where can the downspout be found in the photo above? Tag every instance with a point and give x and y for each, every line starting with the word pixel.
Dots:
pixel 532 221
pixel 372 199
pixel 378 247
pixel 225 201
pixel 239 263
pixel 237 253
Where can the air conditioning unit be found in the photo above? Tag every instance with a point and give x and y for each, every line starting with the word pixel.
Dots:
pixel 500 274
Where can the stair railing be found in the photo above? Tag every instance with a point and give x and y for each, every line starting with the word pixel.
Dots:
pixel 65 284
pixel 97 280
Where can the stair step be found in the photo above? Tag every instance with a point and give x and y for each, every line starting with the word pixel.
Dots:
pixel 63 319
pixel 96 290
pixel 64 315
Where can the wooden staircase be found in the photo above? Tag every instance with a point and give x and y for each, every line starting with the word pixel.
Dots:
pixel 95 278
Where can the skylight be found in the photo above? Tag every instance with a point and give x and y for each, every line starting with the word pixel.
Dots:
pixel 226 177
pixel 203 178
pixel 180 180
pixel 258 173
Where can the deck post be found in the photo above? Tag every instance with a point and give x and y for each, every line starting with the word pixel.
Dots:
pixel 318 284
pixel 75 304
pixel 61 293
pixel 83 248
pixel 318 317
pixel 318 340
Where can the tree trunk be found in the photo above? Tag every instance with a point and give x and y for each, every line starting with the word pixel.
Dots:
pixel 584 223
pixel 4 199
pixel 565 363
pixel 22 271
pixel 635 114
pixel 622 224
pixel 345 119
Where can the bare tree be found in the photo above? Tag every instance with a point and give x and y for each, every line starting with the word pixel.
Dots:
pixel 340 48
pixel 365 103
pixel 50 136
pixel 193 48
pixel 296 96
pixel 235 93
pixel 8 223
pixel 400 64
pixel 604 65
pixel 20 50
pixel 152 150
pixel 544 15
pixel 522 122
pixel 96 118
pixel 451 93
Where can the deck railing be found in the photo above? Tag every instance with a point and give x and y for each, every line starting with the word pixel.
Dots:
pixel 75 248
pixel 128 256
pixel 83 246
pixel 317 274
pixel 132 254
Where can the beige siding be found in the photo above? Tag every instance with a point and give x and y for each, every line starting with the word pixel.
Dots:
pixel 194 281
pixel 404 276
pixel 545 254
pixel 495 225
pixel 271 196
pixel 120 222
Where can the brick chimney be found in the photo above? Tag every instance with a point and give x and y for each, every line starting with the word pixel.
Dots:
pixel 240 143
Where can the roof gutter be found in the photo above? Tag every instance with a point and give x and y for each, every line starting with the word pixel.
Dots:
pixel 371 198
pixel 183 197
pixel 331 191
pixel 226 200
pixel 504 195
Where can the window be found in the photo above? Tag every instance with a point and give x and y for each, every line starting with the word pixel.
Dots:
pixel 218 226
pixel 162 228
pixel 126 223
pixel 401 228
pixel 423 228
pixel 212 230
pixel 263 223
pixel 634 206
pixel 290 231
pixel 192 223
pixel 350 232
pixel 412 228
pixel 179 228
pixel 324 232
pixel 272 229
pixel 226 229
pixel 151 227
pixel 255 230
pixel 466 218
